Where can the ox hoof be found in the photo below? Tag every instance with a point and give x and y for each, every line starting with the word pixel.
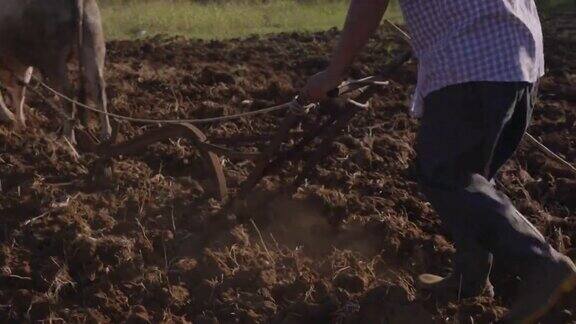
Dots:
pixel 70 136
pixel 20 124
pixel 7 121
pixel 7 118
pixel 105 135
pixel 86 141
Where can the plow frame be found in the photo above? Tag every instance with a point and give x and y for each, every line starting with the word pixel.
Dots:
pixel 344 104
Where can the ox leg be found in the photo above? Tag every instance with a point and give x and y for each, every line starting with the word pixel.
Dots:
pixel 18 93
pixel 92 54
pixel 57 78
pixel 5 114
pixel 95 92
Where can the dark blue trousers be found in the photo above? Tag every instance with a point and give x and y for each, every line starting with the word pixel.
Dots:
pixel 467 133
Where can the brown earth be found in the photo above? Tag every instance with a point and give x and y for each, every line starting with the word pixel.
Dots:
pixel 132 243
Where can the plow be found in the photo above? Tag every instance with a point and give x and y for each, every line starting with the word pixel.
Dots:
pixel 303 137
pixel 310 146
pixel 320 125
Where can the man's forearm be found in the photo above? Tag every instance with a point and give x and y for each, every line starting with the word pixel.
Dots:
pixel 364 16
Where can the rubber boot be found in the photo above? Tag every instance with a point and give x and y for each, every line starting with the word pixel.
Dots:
pixel 470 278
pixel 549 281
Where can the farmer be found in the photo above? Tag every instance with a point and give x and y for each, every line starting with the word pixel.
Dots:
pixel 479 62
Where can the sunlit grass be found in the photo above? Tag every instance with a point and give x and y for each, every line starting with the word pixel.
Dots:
pixel 221 20
pixel 239 18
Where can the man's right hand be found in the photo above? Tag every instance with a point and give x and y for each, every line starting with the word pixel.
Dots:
pixel 364 16
pixel 319 85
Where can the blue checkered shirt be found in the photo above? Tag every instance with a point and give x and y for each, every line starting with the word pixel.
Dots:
pixel 458 41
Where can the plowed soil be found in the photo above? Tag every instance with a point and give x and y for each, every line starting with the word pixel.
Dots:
pixel 133 243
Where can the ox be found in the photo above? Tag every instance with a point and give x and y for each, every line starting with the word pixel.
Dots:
pixel 45 35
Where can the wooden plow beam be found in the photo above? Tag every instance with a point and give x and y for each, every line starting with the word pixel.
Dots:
pixel 333 117
pixel 190 132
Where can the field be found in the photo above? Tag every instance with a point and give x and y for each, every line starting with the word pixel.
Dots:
pixel 137 242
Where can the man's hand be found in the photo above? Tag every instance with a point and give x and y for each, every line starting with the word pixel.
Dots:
pixel 319 85
pixel 364 16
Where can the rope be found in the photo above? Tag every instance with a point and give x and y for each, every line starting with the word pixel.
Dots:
pixel 555 157
pixel 293 105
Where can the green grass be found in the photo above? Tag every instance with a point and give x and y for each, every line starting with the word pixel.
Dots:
pixel 132 19
pixel 219 19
